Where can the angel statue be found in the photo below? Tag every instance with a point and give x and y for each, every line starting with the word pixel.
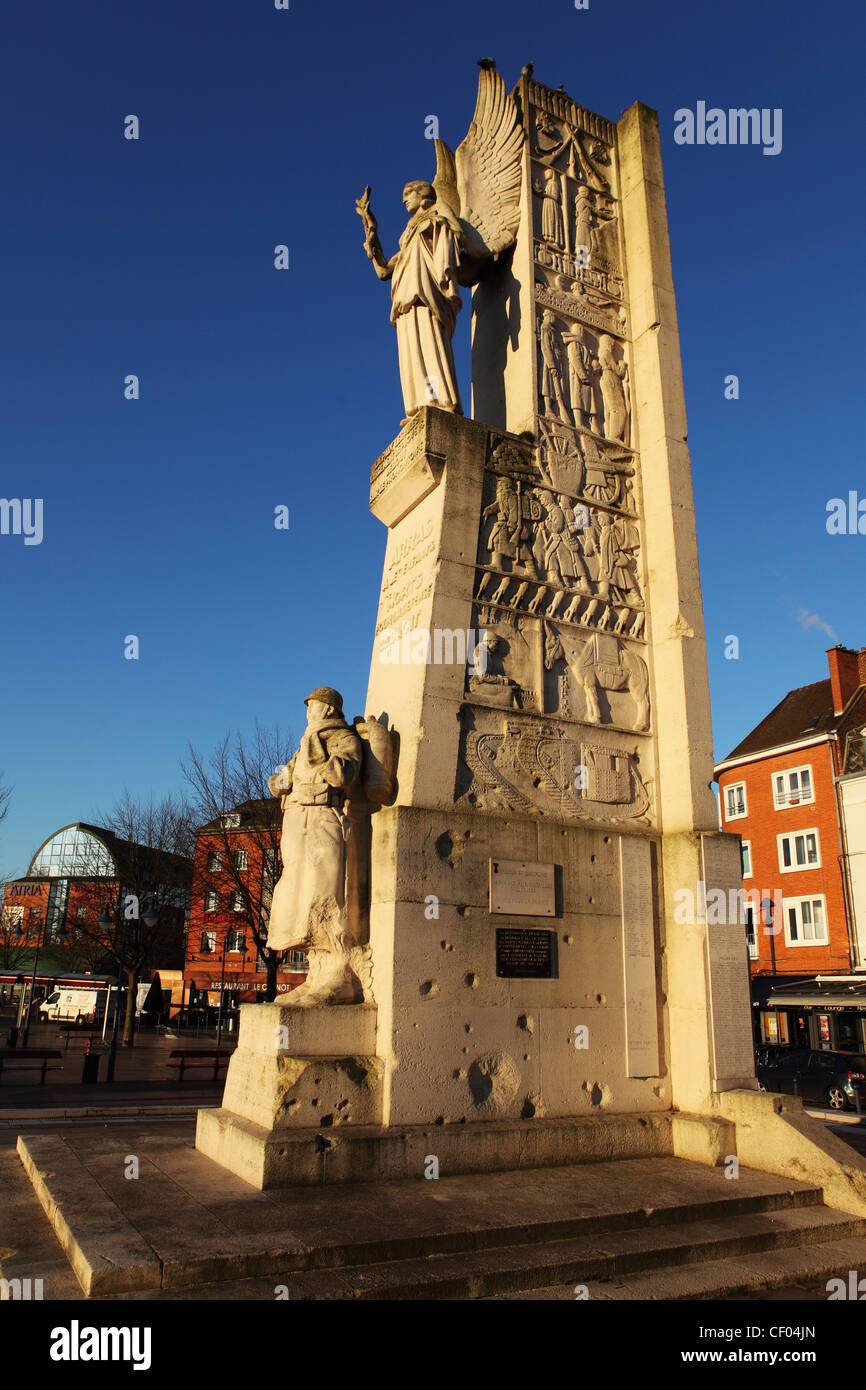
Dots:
pixel 456 223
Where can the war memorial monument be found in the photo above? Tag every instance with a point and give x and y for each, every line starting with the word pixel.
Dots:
pixel 499 945
pixel 484 867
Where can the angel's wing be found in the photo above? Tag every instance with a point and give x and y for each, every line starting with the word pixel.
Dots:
pixel 488 170
pixel 445 182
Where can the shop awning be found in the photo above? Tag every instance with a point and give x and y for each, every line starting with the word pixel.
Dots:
pixel 828 994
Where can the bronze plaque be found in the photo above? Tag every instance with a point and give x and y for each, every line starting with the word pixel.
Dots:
pixel 523 953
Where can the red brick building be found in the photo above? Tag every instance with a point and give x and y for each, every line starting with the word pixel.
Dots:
pixel 779 791
pixel 72 876
pixel 236 866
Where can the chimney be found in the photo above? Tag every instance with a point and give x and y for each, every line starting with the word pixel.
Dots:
pixel 847 671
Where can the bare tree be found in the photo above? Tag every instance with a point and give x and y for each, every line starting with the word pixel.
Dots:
pixel 152 846
pixel 14 947
pixel 239 830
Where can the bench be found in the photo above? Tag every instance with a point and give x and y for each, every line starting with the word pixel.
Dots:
pixel 29 1057
pixel 183 1057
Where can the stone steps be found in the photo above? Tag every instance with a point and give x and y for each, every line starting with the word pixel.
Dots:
pixel 593 1260
pixel 782 1268
pixel 186 1228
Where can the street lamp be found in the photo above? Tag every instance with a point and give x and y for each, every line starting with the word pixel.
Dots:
pixel 59 935
pixel 108 922
pixel 207 950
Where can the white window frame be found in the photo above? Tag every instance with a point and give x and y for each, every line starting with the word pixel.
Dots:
pixel 241 860
pixel 212 901
pixel 215 861
pixel 210 937
pixel 746 852
pixel 237 902
pixel 239 946
pixel 794 867
pixel 797 905
pixel 736 815
pixel 791 798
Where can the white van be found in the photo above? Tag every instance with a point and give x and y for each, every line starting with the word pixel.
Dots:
pixel 73 1005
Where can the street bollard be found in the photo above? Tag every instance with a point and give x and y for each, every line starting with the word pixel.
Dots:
pixel 90 1070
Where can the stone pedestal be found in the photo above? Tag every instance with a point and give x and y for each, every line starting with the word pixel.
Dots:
pixel 294 1068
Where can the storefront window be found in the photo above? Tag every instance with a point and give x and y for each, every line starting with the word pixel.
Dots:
pixel 849 1032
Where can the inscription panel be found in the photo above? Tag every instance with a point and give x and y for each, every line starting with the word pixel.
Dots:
pixel 524 954
pixel 638 959
pixel 522 889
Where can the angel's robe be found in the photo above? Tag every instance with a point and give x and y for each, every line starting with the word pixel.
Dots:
pixel 425 302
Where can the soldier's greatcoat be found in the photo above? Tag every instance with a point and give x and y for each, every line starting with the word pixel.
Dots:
pixel 310 897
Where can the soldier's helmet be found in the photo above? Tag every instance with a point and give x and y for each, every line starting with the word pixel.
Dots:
pixel 328 696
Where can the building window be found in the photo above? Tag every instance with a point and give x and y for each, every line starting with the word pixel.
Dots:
pixel 237 901
pixel 214 862
pixel 792 788
pixel 208 942
pixel 236 942
pixel 746 857
pixel 296 960
pixel 798 850
pixel 81 913
pixel 232 820
pixel 735 801
pixel 241 860
pixel 805 921
pixel 751 935
pixel 212 902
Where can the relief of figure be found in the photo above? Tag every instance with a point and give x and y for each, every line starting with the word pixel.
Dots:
pixel 512 536
pixel 551 367
pixel 614 386
pixel 552 226
pixel 488 676
pixel 583 225
pixel 618 544
pixel 563 560
pixel 580 378
pixel 469 213
pixel 309 907
pixel 580 538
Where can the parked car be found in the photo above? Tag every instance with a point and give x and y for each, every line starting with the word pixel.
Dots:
pixel 833 1079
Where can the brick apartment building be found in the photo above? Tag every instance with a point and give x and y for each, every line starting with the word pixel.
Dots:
pixel 794 790
pixel 236 866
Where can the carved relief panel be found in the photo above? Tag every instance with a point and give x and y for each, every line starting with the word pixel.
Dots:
pixel 558 721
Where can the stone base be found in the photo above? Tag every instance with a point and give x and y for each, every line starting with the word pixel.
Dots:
pixel 268 1158
pixel 308 1067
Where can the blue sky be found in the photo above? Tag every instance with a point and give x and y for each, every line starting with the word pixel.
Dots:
pixel 261 388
